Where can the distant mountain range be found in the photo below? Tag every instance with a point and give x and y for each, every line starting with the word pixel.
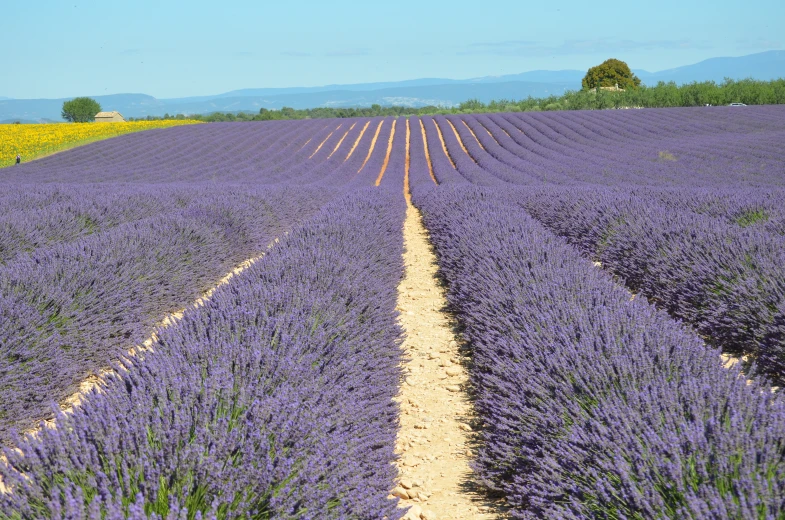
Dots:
pixel 414 93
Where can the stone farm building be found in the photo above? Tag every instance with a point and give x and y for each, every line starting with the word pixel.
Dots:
pixel 109 117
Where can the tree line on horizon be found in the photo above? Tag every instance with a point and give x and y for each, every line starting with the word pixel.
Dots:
pixel 611 84
pixel 661 95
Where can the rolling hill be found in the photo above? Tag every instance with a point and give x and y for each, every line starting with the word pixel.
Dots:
pixel 413 93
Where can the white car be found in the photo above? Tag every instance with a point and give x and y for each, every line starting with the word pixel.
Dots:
pixel 737 105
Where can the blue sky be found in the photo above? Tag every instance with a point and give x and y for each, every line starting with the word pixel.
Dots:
pixel 173 49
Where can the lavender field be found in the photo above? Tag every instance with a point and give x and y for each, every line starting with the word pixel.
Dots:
pixel 599 264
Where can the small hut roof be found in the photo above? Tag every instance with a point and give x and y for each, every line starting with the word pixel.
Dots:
pixel 109 114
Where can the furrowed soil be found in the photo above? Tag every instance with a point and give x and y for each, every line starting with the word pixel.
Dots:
pixel 435 438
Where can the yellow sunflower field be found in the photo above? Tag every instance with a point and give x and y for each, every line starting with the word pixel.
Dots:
pixel 34 141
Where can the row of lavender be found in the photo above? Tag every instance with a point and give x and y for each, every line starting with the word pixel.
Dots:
pixel 725 275
pixel 93 265
pixel 595 405
pixel 274 400
pixel 90 275
pixel 650 147
pixel 325 152
pixel 710 255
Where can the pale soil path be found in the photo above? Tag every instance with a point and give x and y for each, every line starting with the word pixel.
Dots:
pixel 341 140
pixel 357 141
pixel 491 134
pixel 325 140
pixel 444 146
pixel 435 437
pixel 95 381
pixel 387 157
pixel 427 154
pixel 311 139
pixel 373 145
pixel 475 135
pixel 460 141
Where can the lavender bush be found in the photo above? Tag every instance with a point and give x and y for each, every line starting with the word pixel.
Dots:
pixel 66 310
pixel 595 406
pixel 726 278
pixel 274 400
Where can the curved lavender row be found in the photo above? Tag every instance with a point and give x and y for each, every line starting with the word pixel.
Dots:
pixel 336 170
pixel 274 400
pixel 71 213
pixel 443 170
pixel 513 142
pixel 482 151
pixel 319 162
pixel 396 167
pixel 347 171
pixel 595 406
pixel 491 144
pixel 369 172
pixel 67 310
pixel 638 160
pixel 584 144
pixel 463 162
pixel 294 157
pixel 226 151
pixel 742 207
pixel 728 281
pixel 419 171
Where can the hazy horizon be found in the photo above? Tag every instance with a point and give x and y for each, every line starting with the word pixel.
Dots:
pixel 196 49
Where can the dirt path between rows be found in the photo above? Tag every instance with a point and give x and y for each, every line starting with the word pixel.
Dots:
pixel 444 146
pixel 325 140
pixel 427 152
pixel 357 141
pixel 460 141
pixel 435 438
pixel 373 145
pixel 728 360
pixel 95 381
pixel 475 135
pixel 387 157
pixel 341 141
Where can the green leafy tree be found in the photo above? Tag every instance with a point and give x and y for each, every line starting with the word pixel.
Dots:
pixel 610 73
pixel 472 104
pixel 80 110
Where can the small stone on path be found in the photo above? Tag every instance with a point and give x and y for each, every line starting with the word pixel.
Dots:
pixel 400 493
